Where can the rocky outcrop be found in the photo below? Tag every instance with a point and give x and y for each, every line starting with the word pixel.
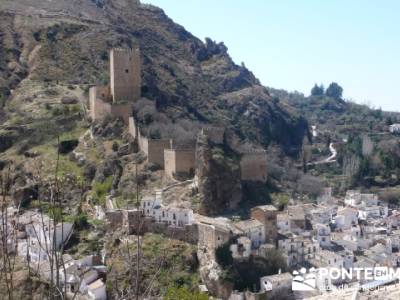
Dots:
pixel 218 176
pixel 109 128
pixel 69 100
pixel 212 275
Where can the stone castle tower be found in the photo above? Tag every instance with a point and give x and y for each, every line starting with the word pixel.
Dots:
pixel 125 75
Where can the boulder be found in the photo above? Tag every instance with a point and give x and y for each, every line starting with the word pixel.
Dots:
pixel 124 150
pixel 69 100
pixel 89 171
pixel 31 154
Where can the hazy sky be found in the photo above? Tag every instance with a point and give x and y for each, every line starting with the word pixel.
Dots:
pixel 293 44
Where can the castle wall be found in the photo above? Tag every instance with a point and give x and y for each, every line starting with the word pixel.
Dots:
pixel 114 219
pixel 179 161
pixel 133 129
pixel 99 107
pixel 121 110
pixel 212 237
pixel 154 149
pixel 134 224
pixel 253 166
pixel 169 162
pixel 125 75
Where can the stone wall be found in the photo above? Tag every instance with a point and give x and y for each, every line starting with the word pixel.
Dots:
pixel 212 237
pixel 253 166
pixel 99 102
pixel 269 219
pixel 121 110
pixel 154 149
pixel 135 223
pixel 125 74
pixel 179 161
pixel 100 108
pixel 133 129
pixel 214 134
pixel 114 219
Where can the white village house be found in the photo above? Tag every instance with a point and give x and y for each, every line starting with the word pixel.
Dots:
pixel 254 230
pixel 173 216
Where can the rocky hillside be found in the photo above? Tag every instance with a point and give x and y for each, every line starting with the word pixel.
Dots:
pixel 66 42
pixel 368 154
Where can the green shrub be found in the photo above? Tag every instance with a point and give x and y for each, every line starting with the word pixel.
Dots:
pixel 224 255
pixel 56 213
pixel 101 189
pixel 182 293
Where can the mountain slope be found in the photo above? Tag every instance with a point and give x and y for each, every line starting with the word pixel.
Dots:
pixel 67 42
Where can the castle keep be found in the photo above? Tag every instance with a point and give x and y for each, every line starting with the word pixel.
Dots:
pixel 125 86
pixel 125 80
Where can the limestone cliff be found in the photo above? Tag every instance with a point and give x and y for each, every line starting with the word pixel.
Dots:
pixel 218 179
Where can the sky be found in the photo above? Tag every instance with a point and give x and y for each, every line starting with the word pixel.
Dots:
pixel 292 44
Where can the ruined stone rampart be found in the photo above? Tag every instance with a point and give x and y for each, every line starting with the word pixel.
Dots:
pixel 154 149
pixel 121 110
pixel 114 219
pixel 253 166
pixel 187 233
pixel 99 102
pixel 179 161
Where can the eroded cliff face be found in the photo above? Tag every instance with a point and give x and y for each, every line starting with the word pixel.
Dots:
pixel 218 179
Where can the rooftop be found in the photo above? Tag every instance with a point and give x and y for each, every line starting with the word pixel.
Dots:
pixel 248 224
pixel 267 207
pixel 96 284
pixel 277 277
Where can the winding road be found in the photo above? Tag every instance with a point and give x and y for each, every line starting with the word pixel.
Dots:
pixel 328 160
